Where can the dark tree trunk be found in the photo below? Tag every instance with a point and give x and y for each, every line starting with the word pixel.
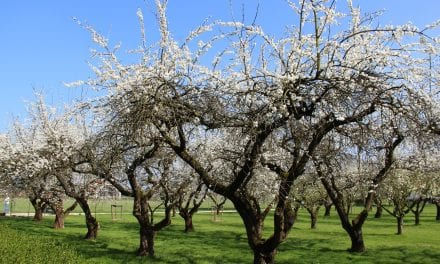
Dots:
pixel 418 210
pixel 417 218
pixel 284 218
pixel 328 208
pixel 399 225
pixel 189 227
pixel 313 212
pixel 437 204
pixel 313 220
pixel 91 222
pixel 38 216
pixel 146 231
pixel 39 207
pixel 264 258
pixel 146 244
pixel 379 212
pixel 357 240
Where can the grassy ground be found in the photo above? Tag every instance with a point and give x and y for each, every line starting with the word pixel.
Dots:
pixel 100 206
pixel 225 241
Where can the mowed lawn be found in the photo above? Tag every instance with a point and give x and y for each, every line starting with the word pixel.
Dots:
pixel 225 241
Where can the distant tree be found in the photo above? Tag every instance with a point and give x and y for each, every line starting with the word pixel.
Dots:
pixel 218 201
pixel 140 169
pixel 310 194
pixel 399 190
pixel 377 160
pixel 190 194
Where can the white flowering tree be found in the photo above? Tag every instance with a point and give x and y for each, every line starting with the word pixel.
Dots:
pixel 27 166
pixel 265 105
pixel 47 154
pixel 340 178
pixel 310 194
pixel 400 189
pixel 190 193
pixel 138 167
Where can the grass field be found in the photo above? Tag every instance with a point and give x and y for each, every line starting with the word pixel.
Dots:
pixel 225 241
pixel 99 206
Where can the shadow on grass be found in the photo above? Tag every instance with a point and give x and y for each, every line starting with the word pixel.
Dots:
pixel 220 242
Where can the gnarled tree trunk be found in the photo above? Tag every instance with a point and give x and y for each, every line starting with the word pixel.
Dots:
pixel 418 210
pixel 328 208
pixel 91 222
pixel 59 218
pixel 379 212
pixel 146 243
pixel 313 212
pixel 187 217
pixel 264 258
pixel 357 240
pixel 39 207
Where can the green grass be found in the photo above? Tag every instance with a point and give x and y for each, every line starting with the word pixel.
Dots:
pixel 225 241
pixel 20 247
pixel 22 205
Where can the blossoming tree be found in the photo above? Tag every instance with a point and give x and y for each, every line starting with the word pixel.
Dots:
pixel 257 114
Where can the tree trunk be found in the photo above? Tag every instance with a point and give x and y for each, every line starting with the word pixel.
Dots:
pixel 264 258
pixel 39 207
pixel 357 240
pixel 399 225
pixel 313 212
pixel 437 204
pixel 416 217
pixel 328 208
pixel 379 211
pixel 218 210
pixel 91 222
pixel 59 219
pixel 146 245
pixel 313 220
pixel 189 227
pixel 38 216
pixel 419 207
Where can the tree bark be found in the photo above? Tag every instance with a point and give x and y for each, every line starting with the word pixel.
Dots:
pixel 189 227
pixel 39 207
pixel 328 208
pixel 379 212
pixel 416 218
pixel 357 240
pixel 146 244
pixel 91 222
pixel 253 219
pixel 59 219
pixel 437 204
pixel 38 216
pixel 147 229
pixel 146 232
pixel 313 212
pixel 264 258
pixel 60 213
pixel 419 207
pixel 399 225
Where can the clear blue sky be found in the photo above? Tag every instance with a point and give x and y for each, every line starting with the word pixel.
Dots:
pixel 41 47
